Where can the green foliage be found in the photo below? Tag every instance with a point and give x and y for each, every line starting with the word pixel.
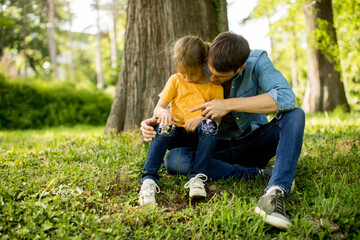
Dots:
pixel 70 183
pixel 35 104
pixel 325 42
pixel 288 36
pixel 29 39
pixel 24 42
pixel 347 23
pixel 6 22
pixel 288 39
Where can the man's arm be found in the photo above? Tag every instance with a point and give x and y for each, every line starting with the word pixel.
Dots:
pixel 220 107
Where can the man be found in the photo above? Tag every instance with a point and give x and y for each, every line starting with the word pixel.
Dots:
pixel 246 140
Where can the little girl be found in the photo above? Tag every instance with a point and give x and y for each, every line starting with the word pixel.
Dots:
pixel 189 88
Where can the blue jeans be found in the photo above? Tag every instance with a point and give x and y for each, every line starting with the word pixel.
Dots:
pixel 202 140
pixel 281 138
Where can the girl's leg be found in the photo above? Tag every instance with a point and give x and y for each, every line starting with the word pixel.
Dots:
pixel 207 134
pixel 157 151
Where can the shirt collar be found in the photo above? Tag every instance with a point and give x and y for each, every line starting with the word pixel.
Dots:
pixel 206 69
pixel 238 75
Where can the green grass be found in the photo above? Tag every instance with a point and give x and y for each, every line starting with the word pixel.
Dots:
pixel 71 183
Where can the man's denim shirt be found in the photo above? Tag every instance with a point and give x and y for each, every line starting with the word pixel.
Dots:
pixel 258 77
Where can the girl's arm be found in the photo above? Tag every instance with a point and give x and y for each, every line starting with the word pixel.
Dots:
pixel 164 116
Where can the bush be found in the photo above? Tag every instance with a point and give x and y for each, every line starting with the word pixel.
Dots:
pixel 36 104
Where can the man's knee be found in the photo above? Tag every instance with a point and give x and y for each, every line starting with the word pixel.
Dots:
pixel 208 126
pixel 178 161
pixel 299 115
pixel 296 116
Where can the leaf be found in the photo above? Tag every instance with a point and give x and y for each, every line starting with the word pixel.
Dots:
pixel 46 225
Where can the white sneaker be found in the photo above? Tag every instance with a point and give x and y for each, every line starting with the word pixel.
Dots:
pixel 196 185
pixel 147 192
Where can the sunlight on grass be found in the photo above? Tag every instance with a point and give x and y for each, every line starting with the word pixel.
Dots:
pixel 70 182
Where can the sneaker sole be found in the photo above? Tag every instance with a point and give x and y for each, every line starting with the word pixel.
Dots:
pixel 273 221
pixel 197 194
pixel 142 204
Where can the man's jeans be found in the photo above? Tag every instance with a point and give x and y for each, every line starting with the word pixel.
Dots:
pixel 239 158
pixel 202 141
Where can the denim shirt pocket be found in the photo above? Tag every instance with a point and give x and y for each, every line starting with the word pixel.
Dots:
pixel 242 119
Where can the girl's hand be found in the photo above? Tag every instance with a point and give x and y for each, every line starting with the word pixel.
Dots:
pixel 166 117
pixel 192 124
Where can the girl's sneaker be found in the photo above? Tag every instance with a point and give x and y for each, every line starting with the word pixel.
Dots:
pixel 196 185
pixel 147 192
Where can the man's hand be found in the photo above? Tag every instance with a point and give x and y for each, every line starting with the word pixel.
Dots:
pixel 192 124
pixel 147 129
pixel 213 109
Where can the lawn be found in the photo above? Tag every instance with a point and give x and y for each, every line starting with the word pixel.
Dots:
pixel 72 183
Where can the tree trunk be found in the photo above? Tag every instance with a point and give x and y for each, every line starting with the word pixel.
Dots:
pixel 114 11
pixel 70 44
pixel 293 63
pixel 99 70
pixel 324 90
pixel 2 45
pixel 152 25
pixel 24 31
pixel 51 35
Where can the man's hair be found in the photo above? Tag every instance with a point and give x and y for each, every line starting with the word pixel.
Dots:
pixel 190 51
pixel 228 52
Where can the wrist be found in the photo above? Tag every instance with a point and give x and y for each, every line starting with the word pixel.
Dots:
pixel 227 106
pixel 160 112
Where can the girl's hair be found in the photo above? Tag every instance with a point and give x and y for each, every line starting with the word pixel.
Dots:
pixel 190 51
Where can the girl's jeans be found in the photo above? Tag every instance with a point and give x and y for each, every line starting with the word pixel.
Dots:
pixel 281 138
pixel 202 142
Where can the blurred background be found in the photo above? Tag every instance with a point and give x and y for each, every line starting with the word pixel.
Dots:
pixel 60 60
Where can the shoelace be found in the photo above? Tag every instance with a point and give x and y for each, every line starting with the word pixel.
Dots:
pixel 150 188
pixel 279 203
pixel 196 180
pixel 266 172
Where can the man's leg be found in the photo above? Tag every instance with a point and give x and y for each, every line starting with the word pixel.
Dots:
pixel 288 151
pixel 280 137
pixel 271 205
pixel 240 158
pixel 180 161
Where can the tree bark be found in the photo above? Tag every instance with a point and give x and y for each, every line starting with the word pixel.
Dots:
pixel 324 90
pixel 114 12
pixel 51 35
pixel 99 70
pixel 152 26
pixel 294 71
pixel 70 45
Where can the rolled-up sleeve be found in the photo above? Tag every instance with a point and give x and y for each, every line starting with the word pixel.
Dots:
pixel 272 82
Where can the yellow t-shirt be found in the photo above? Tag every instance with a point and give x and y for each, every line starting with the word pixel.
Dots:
pixel 184 96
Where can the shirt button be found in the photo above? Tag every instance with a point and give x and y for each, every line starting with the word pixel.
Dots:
pixel 232 86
